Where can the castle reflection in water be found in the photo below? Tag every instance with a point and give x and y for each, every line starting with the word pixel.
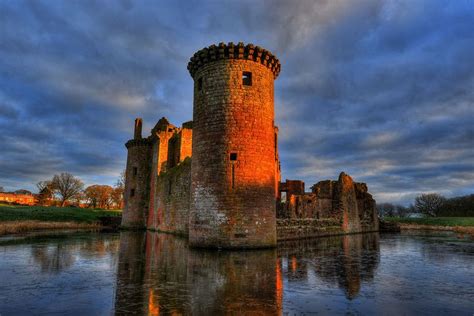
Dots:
pixel 159 274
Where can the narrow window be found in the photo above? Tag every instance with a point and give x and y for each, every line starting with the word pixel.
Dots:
pixel 200 84
pixel 275 145
pixel 233 159
pixel 132 192
pixel 135 171
pixel 247 78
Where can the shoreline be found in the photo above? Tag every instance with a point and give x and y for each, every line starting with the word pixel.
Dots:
pixel 457 229
pixel 19 227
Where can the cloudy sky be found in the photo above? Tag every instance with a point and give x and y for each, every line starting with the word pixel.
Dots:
pixel 383 90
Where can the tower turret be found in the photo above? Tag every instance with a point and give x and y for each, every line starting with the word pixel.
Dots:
pixel 138 128
pixel 137 179
pixel 234 151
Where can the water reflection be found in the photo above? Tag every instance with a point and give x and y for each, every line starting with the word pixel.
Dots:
pixel 158 273
pixel 343 260
pixel 170 278
pixel 63 274
pixel 58 254
pixel 53 259
pixel 151 273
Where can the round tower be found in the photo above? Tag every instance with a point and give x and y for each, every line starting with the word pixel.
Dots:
pixel 234 147
pixel 137 178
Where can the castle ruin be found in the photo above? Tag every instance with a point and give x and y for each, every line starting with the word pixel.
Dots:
pixel 216 179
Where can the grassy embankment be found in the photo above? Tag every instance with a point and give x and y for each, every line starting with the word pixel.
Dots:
pixel 457 224
pixel 17 219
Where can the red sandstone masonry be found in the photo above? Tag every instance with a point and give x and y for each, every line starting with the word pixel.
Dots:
pixel 225 195
pixel 233 202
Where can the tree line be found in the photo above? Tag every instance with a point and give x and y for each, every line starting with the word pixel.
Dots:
pixel 66 189
pixel 431 204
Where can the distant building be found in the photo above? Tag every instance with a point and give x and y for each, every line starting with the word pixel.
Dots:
pixel 16 198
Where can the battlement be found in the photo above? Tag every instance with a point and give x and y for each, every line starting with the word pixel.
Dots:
pixel 232 51
pixel 138 142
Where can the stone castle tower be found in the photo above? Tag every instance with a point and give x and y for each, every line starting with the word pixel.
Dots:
pixel 216 179
pixel 137 172
pixel 233 171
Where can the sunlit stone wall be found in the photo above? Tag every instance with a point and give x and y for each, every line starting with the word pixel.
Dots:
pixel 234 150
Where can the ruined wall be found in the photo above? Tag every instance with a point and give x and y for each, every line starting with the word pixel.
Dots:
pixel 290 205
pixel 186 141
pixel 161 134
pixel 171 212
pixel 163 131
pixel 180 145
pixel 343 201
pixel 300 228
pixel 233 165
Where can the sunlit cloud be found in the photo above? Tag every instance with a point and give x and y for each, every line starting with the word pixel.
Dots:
pixel 382 90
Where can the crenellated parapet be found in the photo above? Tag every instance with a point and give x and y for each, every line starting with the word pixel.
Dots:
pixel 138 142
pixel 234 51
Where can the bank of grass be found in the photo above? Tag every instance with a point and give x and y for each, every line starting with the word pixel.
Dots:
pixel 18 219
pixel 456 224
pixel 18 227
pixel 435 221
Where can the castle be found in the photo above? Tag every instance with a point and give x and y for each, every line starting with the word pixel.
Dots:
pixel 216 179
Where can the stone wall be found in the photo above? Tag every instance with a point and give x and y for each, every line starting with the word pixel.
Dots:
pixel 344 201
pixel 289 229
pixel 171 212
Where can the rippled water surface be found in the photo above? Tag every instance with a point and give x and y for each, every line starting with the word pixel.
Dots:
pixel 151 273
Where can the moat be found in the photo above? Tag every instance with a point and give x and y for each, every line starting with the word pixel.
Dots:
pixel 151 273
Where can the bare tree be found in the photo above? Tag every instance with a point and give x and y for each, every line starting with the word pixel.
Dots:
pixel 386 209
pixel 121 180
pixel 67 186
pixel 429 204
pixel 117 193
pixel 402 211
pixel 2 189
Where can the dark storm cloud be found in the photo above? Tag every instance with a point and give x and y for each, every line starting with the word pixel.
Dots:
pixel 380 89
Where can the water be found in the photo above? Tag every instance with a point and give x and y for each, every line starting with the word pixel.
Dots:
pixel 151 273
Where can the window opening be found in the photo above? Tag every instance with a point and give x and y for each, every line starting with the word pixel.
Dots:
pixel 247 78
pixel 233 159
